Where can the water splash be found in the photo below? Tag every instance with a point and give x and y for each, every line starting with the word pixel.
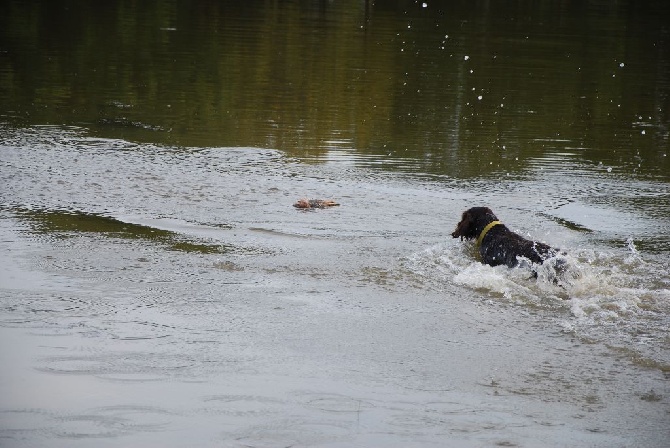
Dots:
pixel 616 298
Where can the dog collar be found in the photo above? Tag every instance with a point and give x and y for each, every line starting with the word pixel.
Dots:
pixel 488 227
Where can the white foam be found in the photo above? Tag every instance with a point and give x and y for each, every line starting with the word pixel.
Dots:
pixel 614 297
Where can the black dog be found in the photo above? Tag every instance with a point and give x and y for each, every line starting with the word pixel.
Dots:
pixel 497 244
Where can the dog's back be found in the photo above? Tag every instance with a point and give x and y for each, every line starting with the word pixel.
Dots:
pixel 502 246
pixel 497 244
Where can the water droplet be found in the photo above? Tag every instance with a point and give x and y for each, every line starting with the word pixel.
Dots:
pixel 480 97
pixel 425 5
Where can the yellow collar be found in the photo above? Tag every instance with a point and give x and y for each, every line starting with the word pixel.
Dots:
pixel 486 230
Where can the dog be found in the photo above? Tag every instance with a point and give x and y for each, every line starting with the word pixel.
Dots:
pixel 314 203
pixel 497 244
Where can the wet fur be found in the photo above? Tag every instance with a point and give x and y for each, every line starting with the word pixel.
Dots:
pixel 500 245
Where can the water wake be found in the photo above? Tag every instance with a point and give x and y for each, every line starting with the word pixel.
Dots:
pixel 617 298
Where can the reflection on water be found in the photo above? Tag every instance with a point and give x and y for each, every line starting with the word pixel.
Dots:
pixel 465 91
pixel 63 223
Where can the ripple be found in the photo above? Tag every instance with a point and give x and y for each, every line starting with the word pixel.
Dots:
pixel 615 297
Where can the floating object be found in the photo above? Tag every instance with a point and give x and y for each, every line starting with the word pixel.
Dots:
pixel 315 203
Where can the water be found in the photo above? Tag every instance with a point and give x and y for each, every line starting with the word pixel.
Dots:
pixel 158 288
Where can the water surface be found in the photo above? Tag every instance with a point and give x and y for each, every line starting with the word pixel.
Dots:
pixel 158 288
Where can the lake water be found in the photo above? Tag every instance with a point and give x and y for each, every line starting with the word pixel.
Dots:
pixel 158 288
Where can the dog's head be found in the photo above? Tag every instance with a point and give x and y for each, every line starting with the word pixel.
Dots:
pixel 473 222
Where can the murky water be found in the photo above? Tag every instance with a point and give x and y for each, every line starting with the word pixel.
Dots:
pixel 157 287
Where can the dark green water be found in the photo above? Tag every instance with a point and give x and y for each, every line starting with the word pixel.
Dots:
pixel 458 88
pixel 158 288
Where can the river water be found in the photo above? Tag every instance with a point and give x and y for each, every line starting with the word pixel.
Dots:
pixel 158 288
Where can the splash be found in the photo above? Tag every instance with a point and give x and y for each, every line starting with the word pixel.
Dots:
pixel 613 297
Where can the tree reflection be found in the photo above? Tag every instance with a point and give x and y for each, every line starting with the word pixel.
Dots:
pixel 455 87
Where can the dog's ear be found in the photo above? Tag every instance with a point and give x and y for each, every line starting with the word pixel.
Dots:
pixel 463 226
